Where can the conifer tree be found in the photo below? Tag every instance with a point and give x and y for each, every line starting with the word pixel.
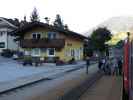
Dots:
pixel 34 15
pixel 58 22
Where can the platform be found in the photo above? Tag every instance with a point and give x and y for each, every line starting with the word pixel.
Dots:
pixel 107 88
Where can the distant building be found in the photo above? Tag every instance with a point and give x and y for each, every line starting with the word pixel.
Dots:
pixel 39 39
pixel 6 40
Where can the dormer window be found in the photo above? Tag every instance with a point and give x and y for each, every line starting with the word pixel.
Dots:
pixel 36 35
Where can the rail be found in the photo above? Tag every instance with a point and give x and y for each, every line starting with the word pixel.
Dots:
pixel 75 93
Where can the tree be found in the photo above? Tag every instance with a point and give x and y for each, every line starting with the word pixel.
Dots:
pixel 58 22
pixel 34 15
pixel 47 20
pixel 120 44
pixel 14 21
pixel 66 27
pixel 99 37
pixel 88 48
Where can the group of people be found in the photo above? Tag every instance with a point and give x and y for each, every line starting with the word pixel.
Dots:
pixel 108 66
pixel 111 67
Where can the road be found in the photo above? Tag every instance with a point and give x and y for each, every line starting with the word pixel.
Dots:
pixel 51 89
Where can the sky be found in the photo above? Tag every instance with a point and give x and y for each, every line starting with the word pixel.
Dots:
pixel 80 15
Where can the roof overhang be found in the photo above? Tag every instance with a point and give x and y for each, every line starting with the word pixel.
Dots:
pixel 31 25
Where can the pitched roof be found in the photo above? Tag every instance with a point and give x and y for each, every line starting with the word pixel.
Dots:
pixel 22 30
pixel 14 23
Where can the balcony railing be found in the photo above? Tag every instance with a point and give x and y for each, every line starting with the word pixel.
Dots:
pixel 42 43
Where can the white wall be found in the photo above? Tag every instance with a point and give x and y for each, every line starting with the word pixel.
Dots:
pixel 9 40
pixel 11 43
pixel 3 38
pixel 6 27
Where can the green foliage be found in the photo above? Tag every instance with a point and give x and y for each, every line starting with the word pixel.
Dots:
pixel 120 44
pixel 58 22
pixel 88 48
pixel 7 53
pixel 34 15
pixel 27 58
pixel 99 37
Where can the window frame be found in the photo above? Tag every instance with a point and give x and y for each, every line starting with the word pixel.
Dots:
pixel 3 45
pixel 36 35
pixel 33 53
pixel 48 52
pixel 52 35
pixel 2 33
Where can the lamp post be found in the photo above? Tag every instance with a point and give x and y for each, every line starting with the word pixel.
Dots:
pixel 128 35
pixel 107 50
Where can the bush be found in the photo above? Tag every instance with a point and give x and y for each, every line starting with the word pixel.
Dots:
pixel 18 55
pixel 51 59
pixel 60 62
pixel 7 53
pixel 72 61
pixel 27 60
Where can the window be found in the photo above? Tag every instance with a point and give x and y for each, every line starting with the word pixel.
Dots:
pixel 2 44
pixel 51 35
pixel 51 52
pixel 81 49
pixel 72 52
pixel 26 52
pixel 68 53
pixel 69 44
pixel 36 35
pixel 2 33
pixel 77 54
pixel 36 52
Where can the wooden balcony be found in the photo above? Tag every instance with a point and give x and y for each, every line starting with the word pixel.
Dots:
pixel 42 43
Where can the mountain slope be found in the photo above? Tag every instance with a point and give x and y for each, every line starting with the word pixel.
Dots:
pixel 116 24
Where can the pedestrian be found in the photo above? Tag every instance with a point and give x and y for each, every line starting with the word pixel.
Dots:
pixel 103 65
pixel 107 67
pixel 115 67
pixel 100 64
pixel 120 66
pixel 87 64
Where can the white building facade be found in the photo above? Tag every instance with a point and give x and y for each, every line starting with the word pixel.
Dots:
pixel 6 40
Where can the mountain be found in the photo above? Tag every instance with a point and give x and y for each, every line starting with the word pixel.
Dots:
pixel 117 37
pixel 116 25
pixel 119 26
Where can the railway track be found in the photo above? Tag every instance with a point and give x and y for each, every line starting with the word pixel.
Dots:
pixel 75 93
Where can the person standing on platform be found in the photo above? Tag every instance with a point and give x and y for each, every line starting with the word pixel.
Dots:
pixel 100 64
pixel 87 64
pixel 107 67
pixel 120 66
pixel 103 65
pixel 115 67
